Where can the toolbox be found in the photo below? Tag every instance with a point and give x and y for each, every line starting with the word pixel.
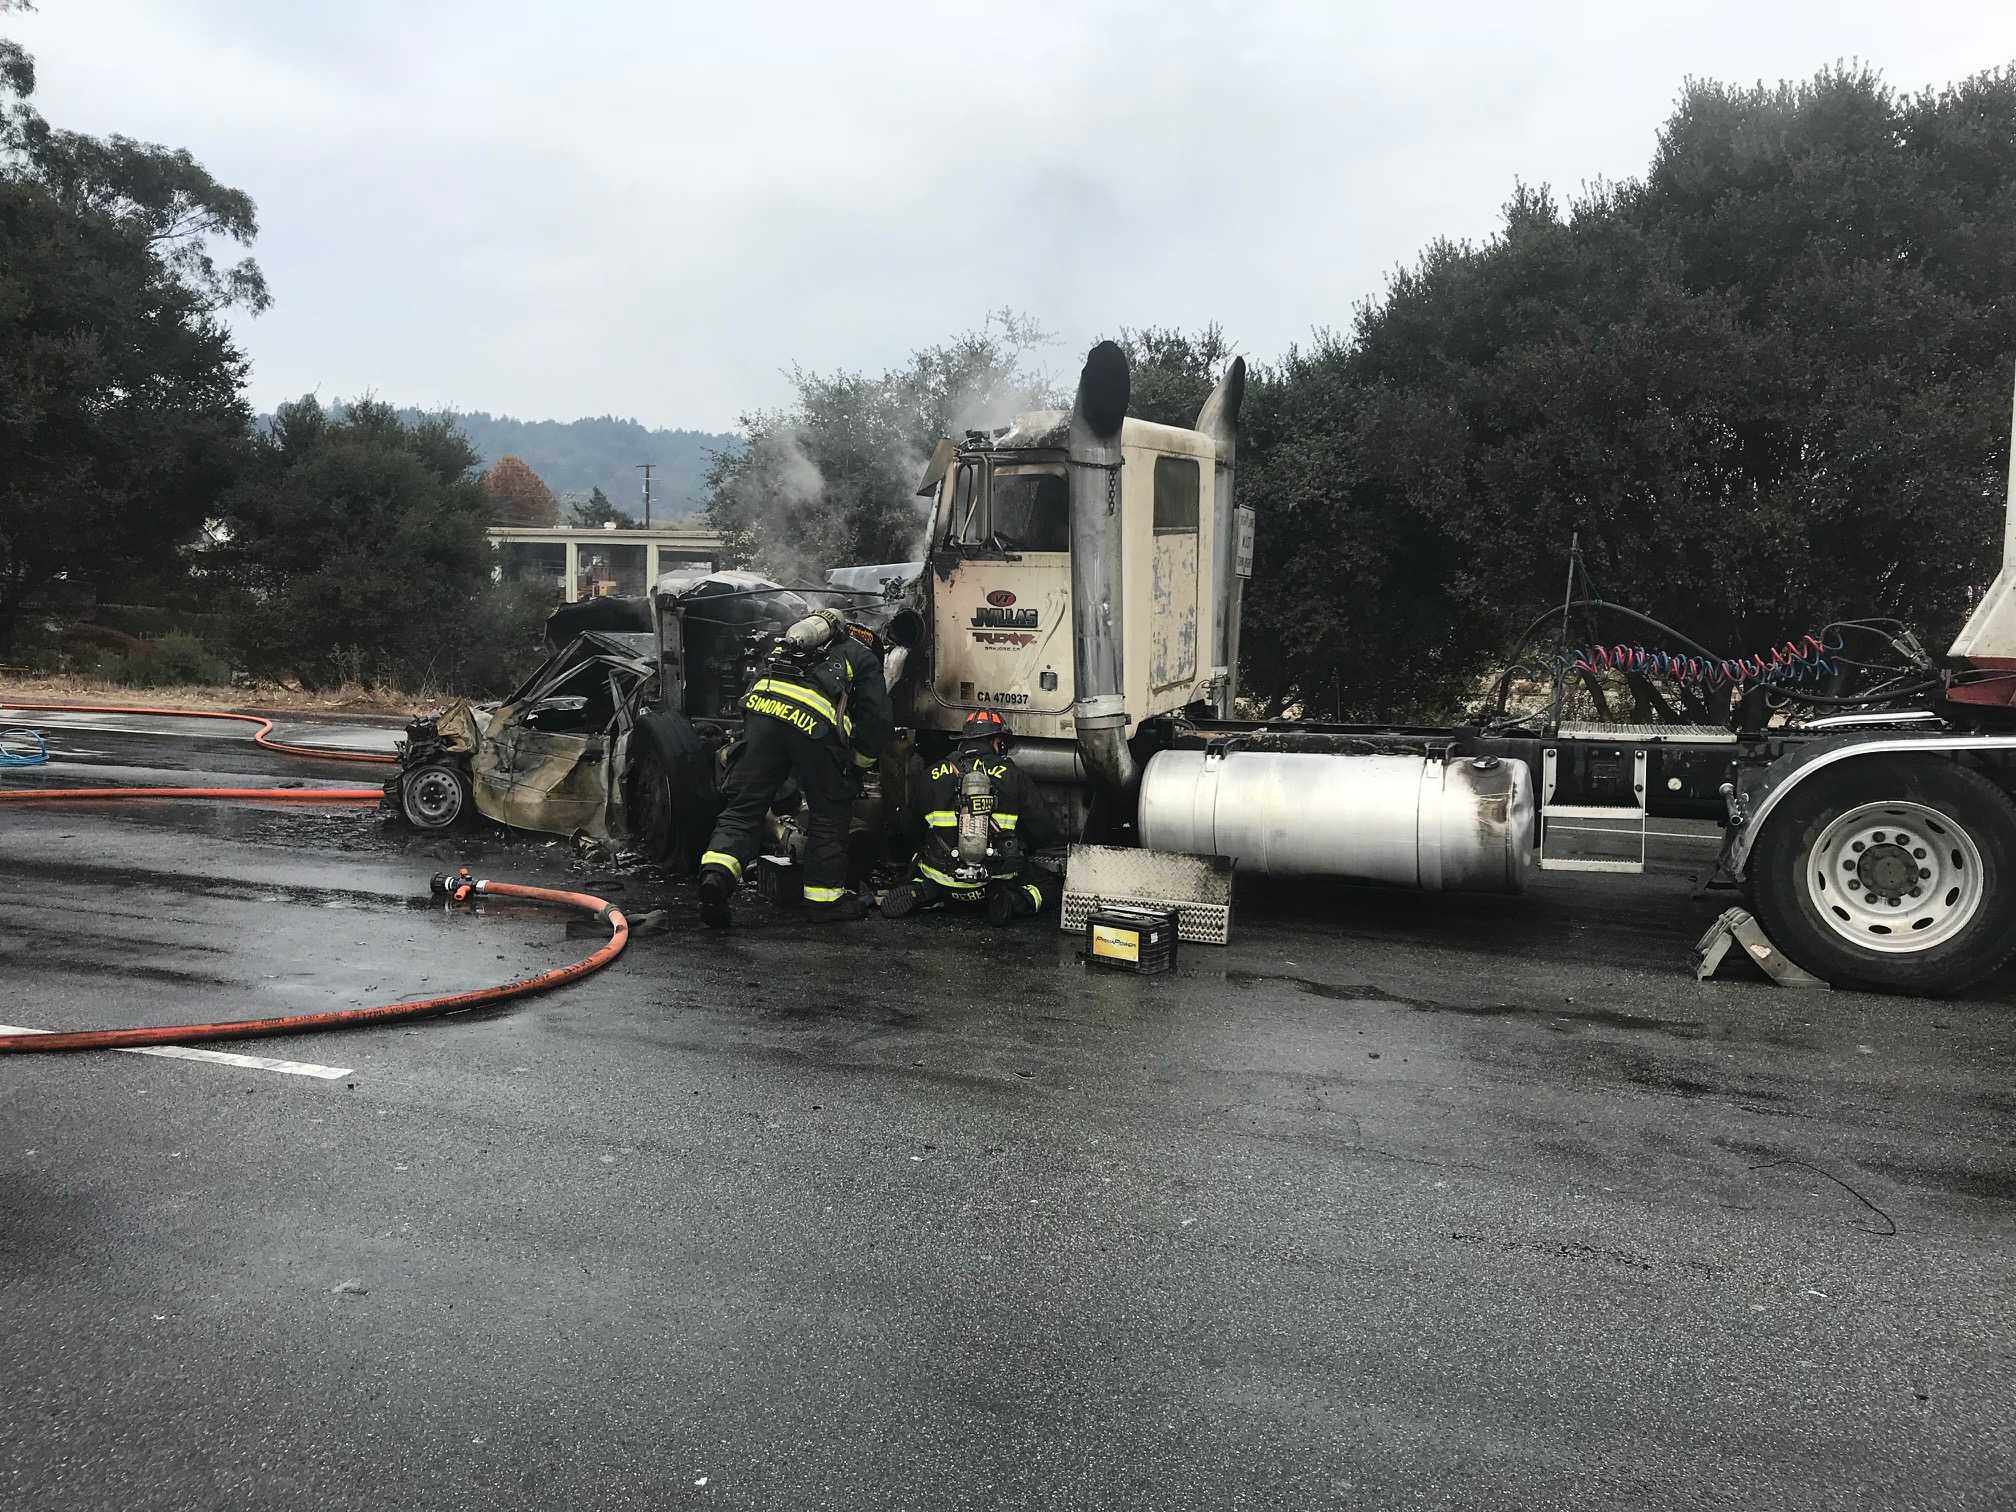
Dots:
pixel 1141 940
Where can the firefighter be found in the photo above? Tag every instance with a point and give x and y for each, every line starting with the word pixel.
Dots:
pixel 818 710
pixel 975 816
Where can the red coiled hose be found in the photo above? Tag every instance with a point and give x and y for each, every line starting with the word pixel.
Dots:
pixel 302 1023
pixel 263 795
pixel 258 738
pixel 350 1018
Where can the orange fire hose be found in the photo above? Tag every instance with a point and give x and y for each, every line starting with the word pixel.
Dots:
pixel 459 886
pixel 349 1018
pixel 263 795
pixel 258 738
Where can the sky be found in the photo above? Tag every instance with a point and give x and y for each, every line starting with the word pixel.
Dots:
pixel 655 209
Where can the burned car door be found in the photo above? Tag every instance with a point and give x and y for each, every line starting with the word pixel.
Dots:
pixel 548 761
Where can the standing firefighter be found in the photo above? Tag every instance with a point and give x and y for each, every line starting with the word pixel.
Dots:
pixel 818 710
pixel 975 817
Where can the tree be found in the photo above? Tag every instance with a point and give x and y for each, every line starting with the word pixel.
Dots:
pixel 120 416
pixel 1173 372
pixel 833 479
pixel 596 511
pixel 517 496
pixel 1768 385
pixel 358 547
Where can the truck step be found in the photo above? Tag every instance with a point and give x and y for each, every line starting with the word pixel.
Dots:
pixel 1630 817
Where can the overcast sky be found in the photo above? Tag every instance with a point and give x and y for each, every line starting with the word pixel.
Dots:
pixel 652 209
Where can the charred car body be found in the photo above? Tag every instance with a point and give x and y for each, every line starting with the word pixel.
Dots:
pixel 623 734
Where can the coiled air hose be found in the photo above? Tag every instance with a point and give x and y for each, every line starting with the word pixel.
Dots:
pixel 459 886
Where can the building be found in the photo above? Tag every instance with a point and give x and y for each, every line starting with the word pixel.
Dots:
pixel 585 562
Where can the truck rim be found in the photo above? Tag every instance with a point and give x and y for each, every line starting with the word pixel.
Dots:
pixel 1895 877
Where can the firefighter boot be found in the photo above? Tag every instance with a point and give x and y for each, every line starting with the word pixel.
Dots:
pixel 1009 901
pixel 717 886
pixel 902 900
pixel 846 907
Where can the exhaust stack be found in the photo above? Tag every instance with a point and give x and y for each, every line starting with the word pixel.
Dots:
pixel 1988 639
pixel 1219 419
pixel 1097 608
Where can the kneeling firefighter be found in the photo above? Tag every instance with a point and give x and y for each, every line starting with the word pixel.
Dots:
pixel 818 710
pixel 975 817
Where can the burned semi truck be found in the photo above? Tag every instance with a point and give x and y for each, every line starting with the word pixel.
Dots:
pixel 1867 817
pixel 1083 576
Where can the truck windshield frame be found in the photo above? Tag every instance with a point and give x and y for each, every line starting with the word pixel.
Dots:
pixel 1014 504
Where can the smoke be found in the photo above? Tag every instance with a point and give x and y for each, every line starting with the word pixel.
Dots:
pixel 799 482
pixel 833 481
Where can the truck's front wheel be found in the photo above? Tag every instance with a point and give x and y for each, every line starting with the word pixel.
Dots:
pixel 1892 874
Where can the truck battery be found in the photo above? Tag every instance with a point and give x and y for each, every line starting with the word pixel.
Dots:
pixel 1140 940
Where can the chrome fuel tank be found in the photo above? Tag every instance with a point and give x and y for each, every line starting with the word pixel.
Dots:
pixel 1411 821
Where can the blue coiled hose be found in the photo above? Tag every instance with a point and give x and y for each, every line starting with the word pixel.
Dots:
pixel 22 748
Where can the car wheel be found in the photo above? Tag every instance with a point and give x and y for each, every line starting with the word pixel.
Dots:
pixel 434 796
pixel 1891 874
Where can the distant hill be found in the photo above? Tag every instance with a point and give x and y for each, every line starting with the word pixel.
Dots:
pixel 574 456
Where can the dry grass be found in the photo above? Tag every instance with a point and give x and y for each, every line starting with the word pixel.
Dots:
pixel 271 699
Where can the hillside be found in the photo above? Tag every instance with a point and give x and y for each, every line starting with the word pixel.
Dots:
pixel 601 451
pixel 573 456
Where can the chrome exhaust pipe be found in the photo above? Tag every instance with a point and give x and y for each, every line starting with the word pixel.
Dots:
pixel 1219 419
pixel 1097 608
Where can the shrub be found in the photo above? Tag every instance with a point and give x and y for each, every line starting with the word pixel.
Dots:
pixel 176 658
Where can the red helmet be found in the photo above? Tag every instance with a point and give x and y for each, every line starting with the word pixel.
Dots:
pixel 984 724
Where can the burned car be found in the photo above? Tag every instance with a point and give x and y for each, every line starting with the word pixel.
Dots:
pixel 621 735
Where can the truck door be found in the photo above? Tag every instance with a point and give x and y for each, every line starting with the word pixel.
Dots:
pixel 1001 595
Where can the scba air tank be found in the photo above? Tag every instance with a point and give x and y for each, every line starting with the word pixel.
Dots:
pixel 1462 825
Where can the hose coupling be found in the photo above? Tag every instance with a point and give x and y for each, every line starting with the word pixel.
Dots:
pixel 458 886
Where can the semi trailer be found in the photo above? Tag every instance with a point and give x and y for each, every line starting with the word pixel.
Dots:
pixel 1082 574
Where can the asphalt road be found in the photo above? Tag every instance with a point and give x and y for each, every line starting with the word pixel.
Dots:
pixel 1397 1202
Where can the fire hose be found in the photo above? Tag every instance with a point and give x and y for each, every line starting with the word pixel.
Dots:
pixel 258 738
pixel 459 887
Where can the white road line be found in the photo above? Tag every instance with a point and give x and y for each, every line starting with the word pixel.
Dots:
pixel 220 1058
pixel 379 740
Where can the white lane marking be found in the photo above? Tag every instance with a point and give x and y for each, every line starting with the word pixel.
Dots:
pixel 220 1057
pixel 210 729
pixel 81 722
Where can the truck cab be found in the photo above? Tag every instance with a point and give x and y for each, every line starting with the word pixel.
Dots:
pixel 998 576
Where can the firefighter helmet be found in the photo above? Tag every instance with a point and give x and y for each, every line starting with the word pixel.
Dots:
pixel 984 724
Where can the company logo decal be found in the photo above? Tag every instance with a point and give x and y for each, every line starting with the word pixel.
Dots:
pixel 1000 598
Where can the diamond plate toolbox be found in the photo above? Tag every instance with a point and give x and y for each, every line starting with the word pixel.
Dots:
pixel 1199 888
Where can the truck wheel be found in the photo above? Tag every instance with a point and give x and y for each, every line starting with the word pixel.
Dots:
pixel 1891 874
pixel 670 818
pixel 434 796
pixel 654 817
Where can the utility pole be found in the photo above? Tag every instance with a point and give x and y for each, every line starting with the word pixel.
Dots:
pixel 646 467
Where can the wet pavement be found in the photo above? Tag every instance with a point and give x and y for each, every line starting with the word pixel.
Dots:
pixel 1396 1202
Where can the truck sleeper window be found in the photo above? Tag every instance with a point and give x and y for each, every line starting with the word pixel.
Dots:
pixel 1176 489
